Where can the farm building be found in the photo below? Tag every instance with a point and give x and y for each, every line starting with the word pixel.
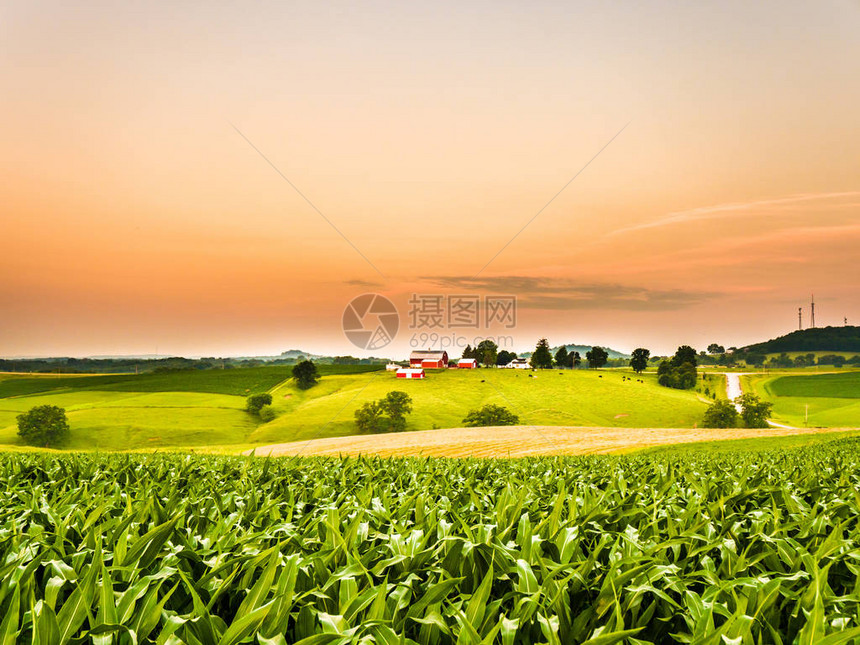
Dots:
pixel 429 359
pixel 467 364
pixel 519 364
pixel 392 367
pixel 410 373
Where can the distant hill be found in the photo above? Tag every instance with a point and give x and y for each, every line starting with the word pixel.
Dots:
pixel 135 364
pixel 581 349
pixel 295 353
pixel 820 339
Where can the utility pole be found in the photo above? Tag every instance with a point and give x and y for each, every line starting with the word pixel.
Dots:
pixel 799 318
pixel 813 311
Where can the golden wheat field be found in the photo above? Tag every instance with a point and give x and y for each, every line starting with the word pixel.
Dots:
pixel 520 441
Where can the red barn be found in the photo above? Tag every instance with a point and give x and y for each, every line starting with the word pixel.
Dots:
pixel 429 360
pixel 467 364
pixel 409 373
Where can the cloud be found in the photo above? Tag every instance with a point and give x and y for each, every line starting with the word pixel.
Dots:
pixel 735 209
pixel 565 294
pixel 364 284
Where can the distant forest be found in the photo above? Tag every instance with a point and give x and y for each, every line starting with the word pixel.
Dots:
pixel 830 339
pixel 130 365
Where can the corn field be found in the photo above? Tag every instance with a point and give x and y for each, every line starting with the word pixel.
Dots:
pixel 746 547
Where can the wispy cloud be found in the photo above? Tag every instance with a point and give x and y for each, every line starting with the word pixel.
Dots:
pixel 736 209
pixel 364 284
pixel 565 294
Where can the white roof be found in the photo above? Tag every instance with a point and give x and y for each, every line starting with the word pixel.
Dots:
pixel 467 360
pixel 407 370
pixel 428 355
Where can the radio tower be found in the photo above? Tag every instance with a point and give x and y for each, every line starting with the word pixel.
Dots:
pixel 813 311
pixel 799 318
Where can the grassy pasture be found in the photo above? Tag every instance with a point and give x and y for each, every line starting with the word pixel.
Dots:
pixel 130 420
pixel 123 419
pixel 825 401
pixel 236 381
pixel 817 354
pixel 566 398
pixel 833 386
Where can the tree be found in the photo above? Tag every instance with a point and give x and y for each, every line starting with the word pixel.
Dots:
pixel 562 358
pixel 306 375
pixel 783 360
pixel 596 357
pixel 721 414
pixel 388 414
pixel 468 352
pixel 682 377
pixel 505 357
pixel 686 376
pixel 575 359
pixel 255 402
pixel 486 352
pixel 754 411
pixel 397 405
pixel 679 372
pixel 639 359
pixel 755 359
pixel 714 348
pixel 684 354
pixel 490 415
pixel 664 373
pixel 541 358
pixel 43 425
pixel 836 360
pixel 370 418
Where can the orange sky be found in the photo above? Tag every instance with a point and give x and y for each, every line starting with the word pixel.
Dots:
pixel 136 220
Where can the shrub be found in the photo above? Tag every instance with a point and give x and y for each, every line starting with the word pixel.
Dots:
pixel 44 425
pixel 754 411
pixel 388 414
pixel 721 414
pixel 255 402
pixel 491 415
pixel 267 413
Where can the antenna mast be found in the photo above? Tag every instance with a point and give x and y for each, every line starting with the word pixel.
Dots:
pixel 799 318
pixel 813 311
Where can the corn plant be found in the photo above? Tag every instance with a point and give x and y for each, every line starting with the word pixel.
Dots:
pixel 746 547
